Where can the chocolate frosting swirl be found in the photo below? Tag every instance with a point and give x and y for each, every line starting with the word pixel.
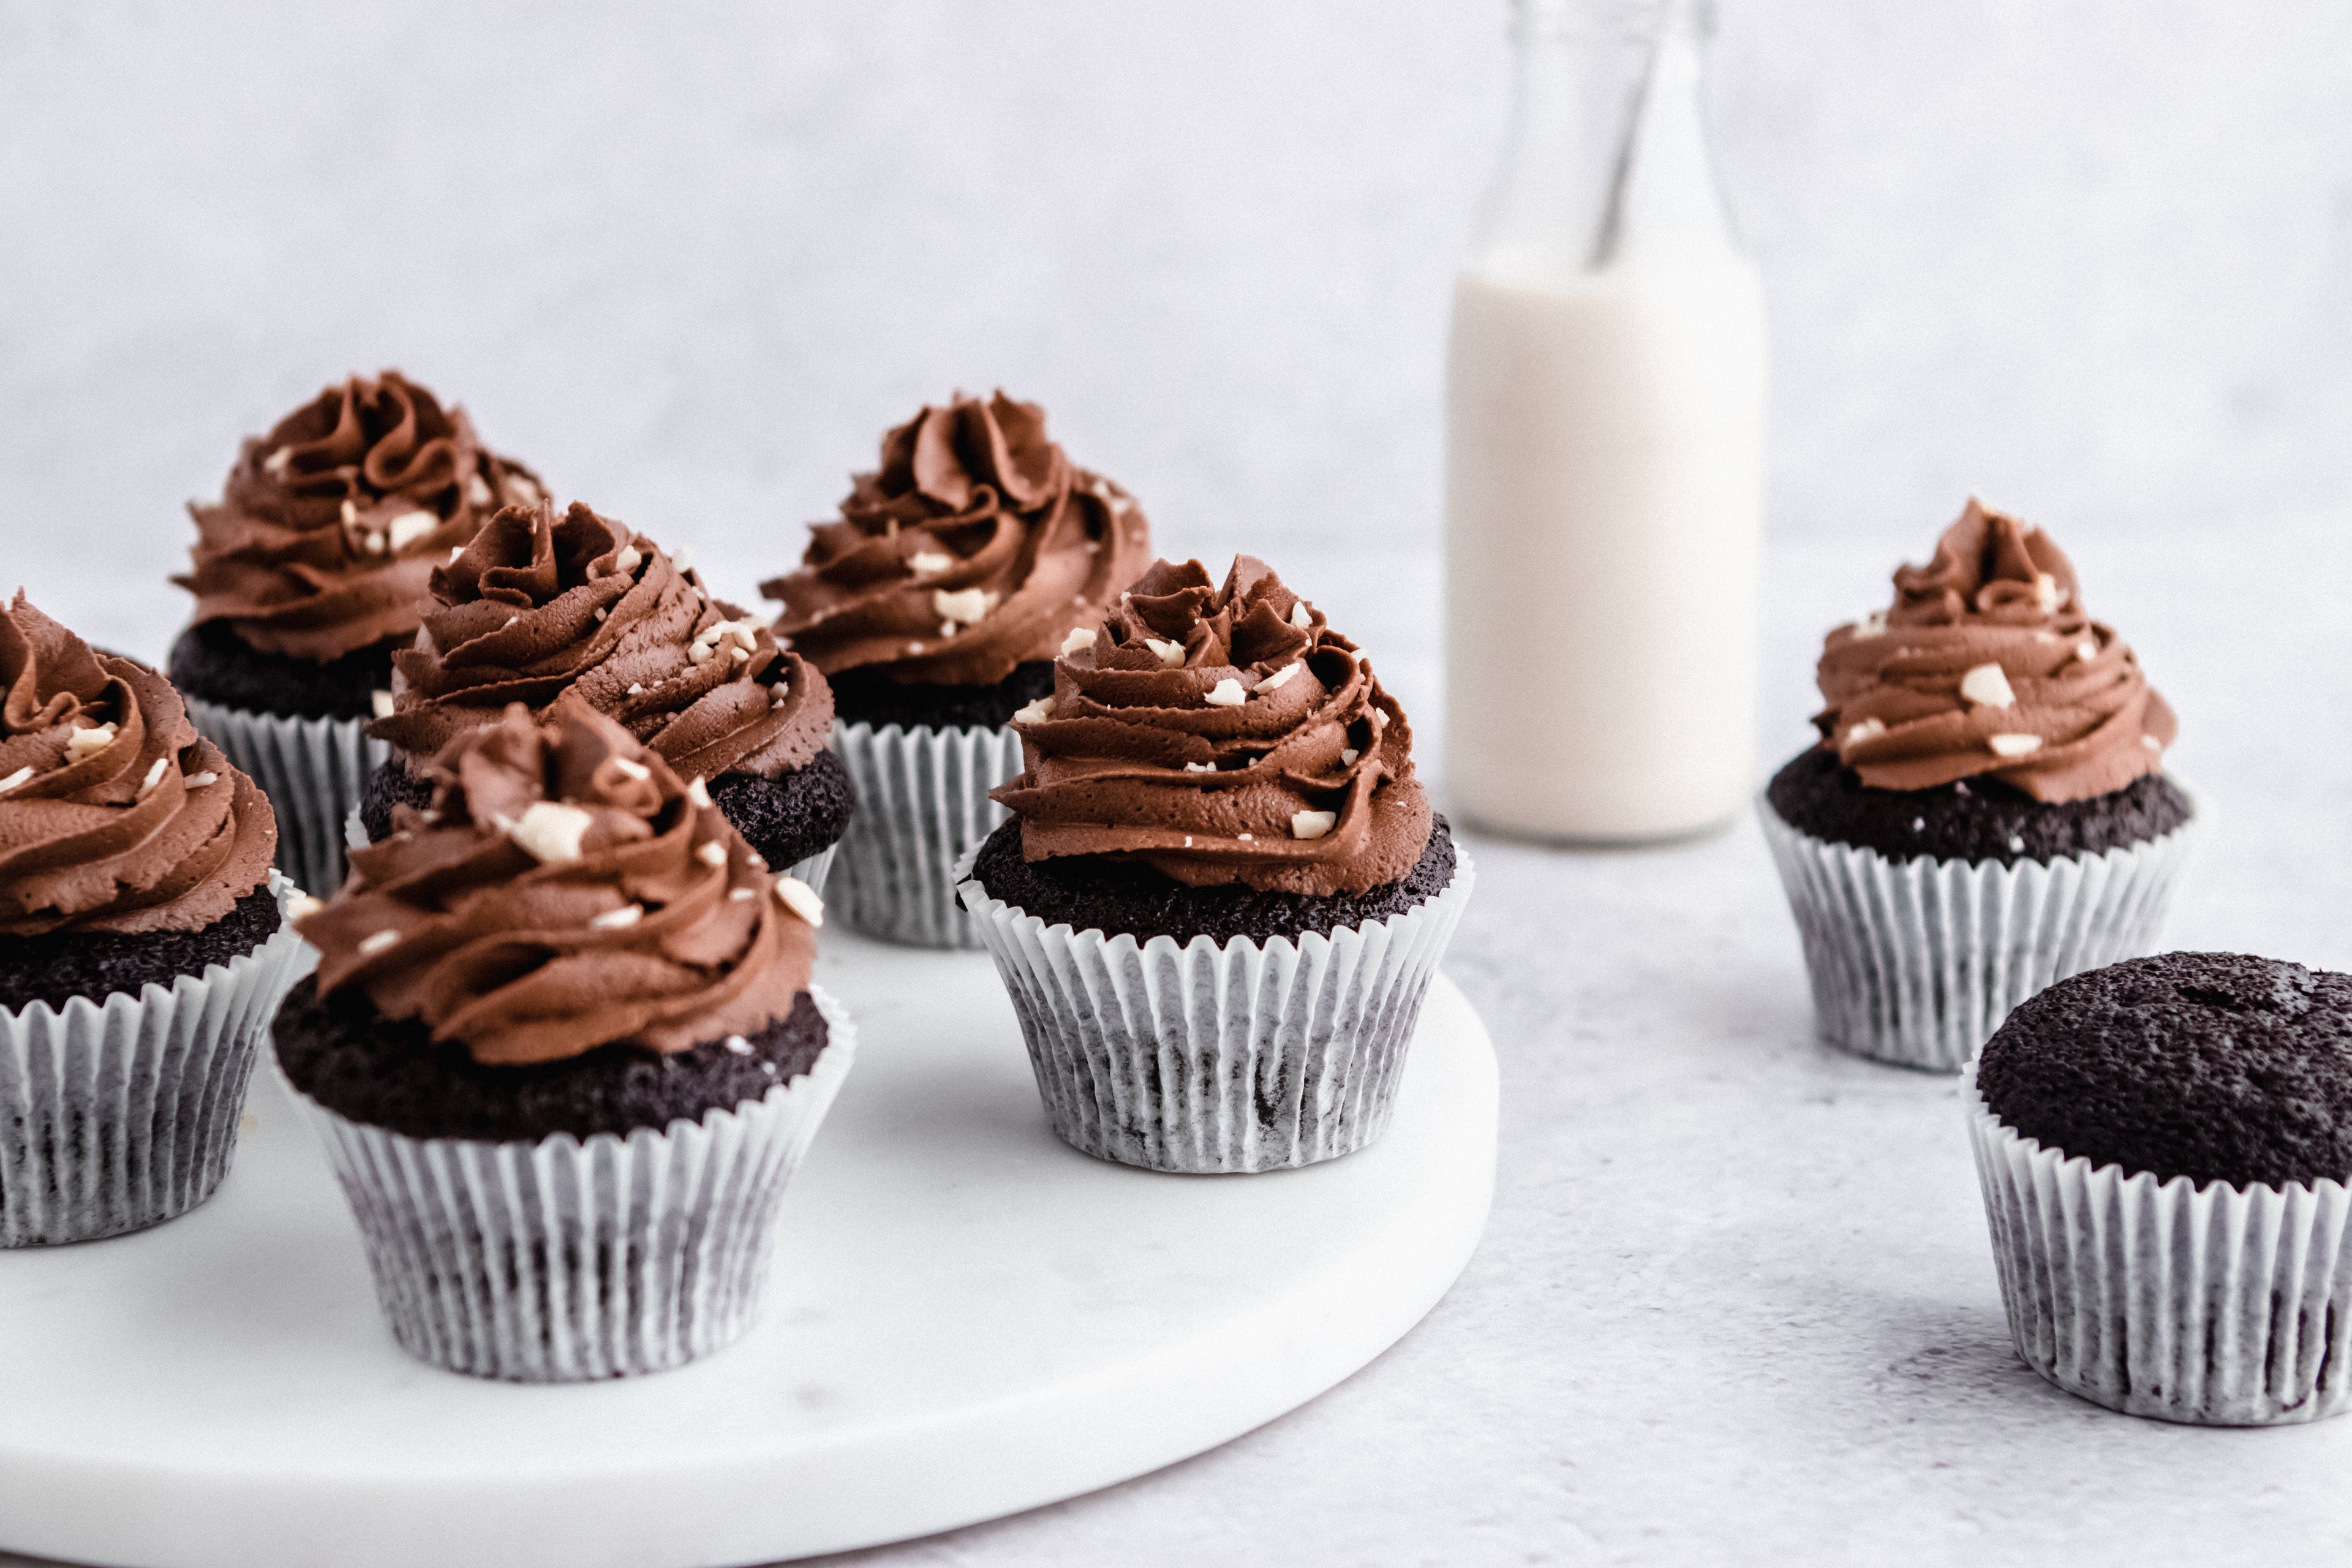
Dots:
pixel 1222 735
pixel 973 549
pixel 329 525
pixel 1987 666
pixel 565 890
pixel 538 605
pixel 115 815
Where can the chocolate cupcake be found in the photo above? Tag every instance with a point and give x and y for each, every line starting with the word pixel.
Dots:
pixel 540 605
pixel 141 941
pixel 2166 1151
pixel 1987 811
pixel 936 606
pixel 308 573
pixel 564 1052
pixel 1222 893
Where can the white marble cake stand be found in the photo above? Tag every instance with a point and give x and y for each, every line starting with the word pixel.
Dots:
pixel 968 1320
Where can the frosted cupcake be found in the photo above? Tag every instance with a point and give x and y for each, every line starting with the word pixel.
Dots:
pixel 541 605
pixel 141 946
pixel 1222 893
pixel 1987 811
pixel 936 604
pixel 308 573
pixel 2166 1150
pixel 566 1003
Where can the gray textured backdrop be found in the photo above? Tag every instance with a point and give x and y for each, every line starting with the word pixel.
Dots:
pixel 2091 256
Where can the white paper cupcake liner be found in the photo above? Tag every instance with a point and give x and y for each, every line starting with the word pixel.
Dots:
pixel 120 1114
pixel 922 805
pixel 1917 962
pixel 1220 1057
pixel 571 1258
pixel 313 770
pixel 2209 1305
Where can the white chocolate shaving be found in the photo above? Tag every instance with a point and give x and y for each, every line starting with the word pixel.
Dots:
pixel 1987 684
pixel 381 702
pixel 1035 712
pixel 964 604
pixel 409 527
pixel 552 831
pixel 1227 693
pixel 86 744
pixel 926 562
pixel 1171 654
pixel 615 920
pixel 801 898
pixel 1079 638
pixel 1312 824
pixel 371 946
pixel 2013 745
pixel 1274 682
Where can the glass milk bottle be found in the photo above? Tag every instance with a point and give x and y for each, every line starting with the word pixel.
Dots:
pixel 1605 450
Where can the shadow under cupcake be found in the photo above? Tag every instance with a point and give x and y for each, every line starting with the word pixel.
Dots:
pixel 1987 812
pixel 1223 894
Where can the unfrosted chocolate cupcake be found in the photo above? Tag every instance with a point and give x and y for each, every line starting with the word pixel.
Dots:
pixel 2166 1147
pixel 1987 811
pixel 1217 777
pixel 308 575
pixel 540 606
pixel 140 941
pixel 936 604
pixel 566 974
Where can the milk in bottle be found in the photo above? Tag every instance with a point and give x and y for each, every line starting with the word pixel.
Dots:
pixel 1605 465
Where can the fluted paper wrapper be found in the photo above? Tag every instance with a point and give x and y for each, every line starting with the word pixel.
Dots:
pixel 117 1115
pixel 1220 1057
pixel 1917 962
pixel 2209 1305
pixel 811 871
pixel 313 770
pixel 569 1258
pixel 922 806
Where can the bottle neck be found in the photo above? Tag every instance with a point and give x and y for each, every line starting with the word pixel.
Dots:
pixel 1605 162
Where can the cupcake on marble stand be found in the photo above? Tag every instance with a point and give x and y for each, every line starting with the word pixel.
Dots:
pixel 1221 893
pixel 143 941
pixel 564 1054
pixel 543 604
pixel 308 573
pixel 1987 811
pixel 936 603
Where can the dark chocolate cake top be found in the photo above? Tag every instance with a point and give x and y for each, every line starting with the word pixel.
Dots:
pixel 564 890
pixel 1223 736
pixel 2213 1066
pixel 329 525
pixel 1987 666
pixel 540 604
pixel 973 549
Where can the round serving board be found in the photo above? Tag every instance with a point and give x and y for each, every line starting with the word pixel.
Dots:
pixel 968 1319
